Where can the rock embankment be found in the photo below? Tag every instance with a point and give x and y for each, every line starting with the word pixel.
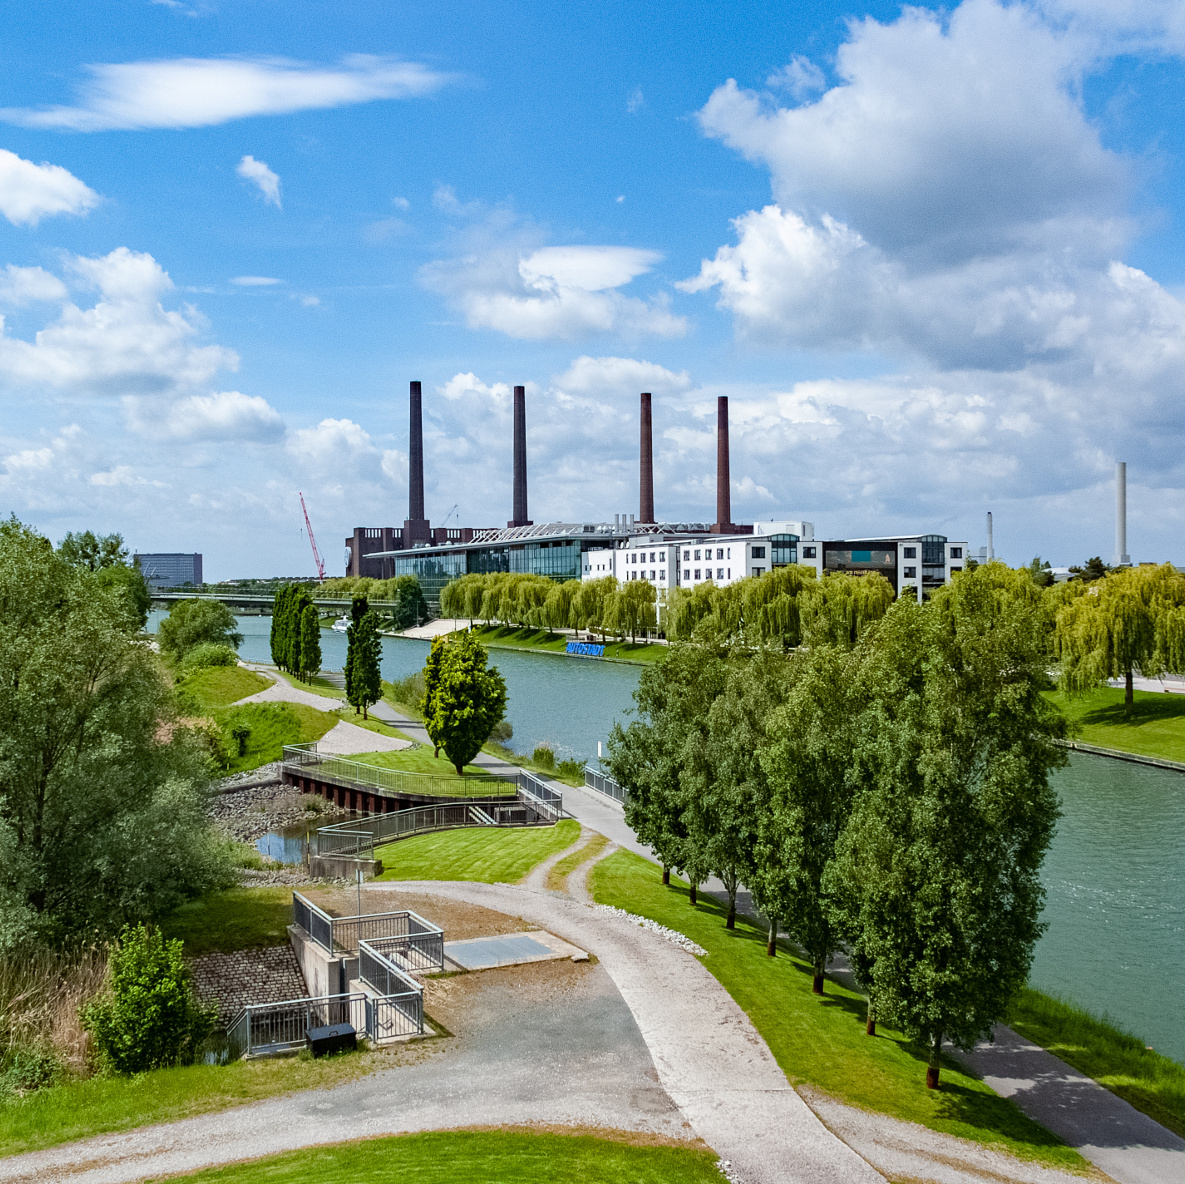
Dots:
pixel 248 814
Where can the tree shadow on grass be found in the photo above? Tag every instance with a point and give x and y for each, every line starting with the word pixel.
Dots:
pixel 1146 709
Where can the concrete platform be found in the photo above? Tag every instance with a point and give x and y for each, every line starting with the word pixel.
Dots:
pixel 509 949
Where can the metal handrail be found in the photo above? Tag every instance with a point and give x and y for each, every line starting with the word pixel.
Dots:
pixel 603 783
pixel 402 928
pixel 278 1027
pixel 394 781
pixel 316 922
pixel 547 802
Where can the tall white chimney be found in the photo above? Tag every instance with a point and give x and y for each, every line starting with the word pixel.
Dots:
pixel 991 545
pixel 1122 558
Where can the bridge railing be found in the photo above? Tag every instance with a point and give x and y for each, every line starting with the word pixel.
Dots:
pixel 305 759
pixel 603 783
pixel 540 796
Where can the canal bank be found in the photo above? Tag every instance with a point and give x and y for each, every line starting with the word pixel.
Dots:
pixel 1114 876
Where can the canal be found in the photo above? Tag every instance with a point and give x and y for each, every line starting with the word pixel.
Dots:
pixel 1114 876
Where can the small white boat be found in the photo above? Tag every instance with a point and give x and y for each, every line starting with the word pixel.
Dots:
pixel 340 625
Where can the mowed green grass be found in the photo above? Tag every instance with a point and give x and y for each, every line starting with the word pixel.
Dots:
pixel 488 854
pixel 414 760
pixel 502 636
pixel 1151 1082
pixel 234 919
pixel 1156 727
pixel 478 1157
pixel 219 686
pixel 272 726
pixel 821 1041
pixel 101 1105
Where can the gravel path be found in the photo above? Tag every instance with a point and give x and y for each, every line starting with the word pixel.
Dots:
pixel 345 739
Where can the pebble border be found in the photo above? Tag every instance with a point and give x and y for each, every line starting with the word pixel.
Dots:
pixel 672 935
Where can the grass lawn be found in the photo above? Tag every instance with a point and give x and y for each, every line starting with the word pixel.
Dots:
pixel 1150 1082
pixel 272 726
pixel 558 876
pixel 100 1105
pixel 821 1041
pixel 491 1157
pixel 414 760
pixel 234 919
pixel 371 725
pixel 1156 727
pixel 218 686
pixel 493 856
pixel 501 636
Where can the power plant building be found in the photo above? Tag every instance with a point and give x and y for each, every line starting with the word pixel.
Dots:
pixel 669 555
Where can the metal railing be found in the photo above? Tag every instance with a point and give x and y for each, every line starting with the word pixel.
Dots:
pixel 418 944
pixel 392 982
pixel 263 1028
pixel 540 797
pixel 359 836
pixel 305 758
pixel 603 783
pixel 317 923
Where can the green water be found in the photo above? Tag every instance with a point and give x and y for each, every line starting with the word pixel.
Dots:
pixel 1115 874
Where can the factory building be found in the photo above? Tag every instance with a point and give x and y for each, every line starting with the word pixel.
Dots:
pixel 170 569
pixel 667 554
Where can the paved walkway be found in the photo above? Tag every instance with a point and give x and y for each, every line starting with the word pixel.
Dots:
pixel 345 739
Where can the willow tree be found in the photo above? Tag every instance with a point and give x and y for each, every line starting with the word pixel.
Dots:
pixel 1132 620
pixel 837 609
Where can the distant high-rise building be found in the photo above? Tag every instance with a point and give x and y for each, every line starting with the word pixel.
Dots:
pixel 170 570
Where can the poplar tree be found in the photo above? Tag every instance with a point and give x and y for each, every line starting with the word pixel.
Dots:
pixel 366 683
pixel 431 686
pixel 310 642
pixel 358 609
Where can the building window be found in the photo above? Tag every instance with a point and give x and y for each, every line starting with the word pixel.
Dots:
pixel 729 552
pixel 719 572
pixel 662 575
pixel 651 556
pixel 809 553
pixel 730 573
pixel 955 569
pixel 686 556
pixel 652 573
pixel 759 571
pixel 697 554
pixel 911 573
pixel 719 552
pixel 956 552
pixel 911 552
pixel 697 570
pixel 759 552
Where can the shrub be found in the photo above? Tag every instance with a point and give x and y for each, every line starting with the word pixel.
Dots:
pixel 240 733
pixel 573 769
pixel 408 691
pixel 208 654
pixel 191 623
pixel 502 732
pixel 543 757
pixel 26 1070
pixel 148 1017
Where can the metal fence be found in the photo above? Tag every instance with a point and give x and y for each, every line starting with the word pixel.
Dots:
pixel 317 923
pixel 391 982
pixel 264 1028
pixel 536 793
pixel 603 783
pixel 304 758
pixel 359 836
pixel 416 943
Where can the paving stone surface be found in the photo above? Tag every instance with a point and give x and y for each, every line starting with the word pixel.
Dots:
pixel 268 974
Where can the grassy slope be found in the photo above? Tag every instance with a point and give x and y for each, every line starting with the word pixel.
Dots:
pixel 235 919
pixel 218 686
pixel 412 760
pixel 491 1157
pixel 476 853
pixel 1150 1082
pixel 272 726
pixel 1156 727
pixel 501 636
pixel 821 1041
pixel 80 1109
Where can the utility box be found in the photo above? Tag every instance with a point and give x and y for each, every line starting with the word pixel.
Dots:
pixel 322 1042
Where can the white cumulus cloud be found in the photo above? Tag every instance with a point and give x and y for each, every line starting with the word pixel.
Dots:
pixel 221 416
pixel 200 92
pixel 29 285
pixel 260 175
pixel 30 192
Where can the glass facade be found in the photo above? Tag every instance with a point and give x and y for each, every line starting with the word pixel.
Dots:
pixel 557 558
pixel 433 571
pixel 783 549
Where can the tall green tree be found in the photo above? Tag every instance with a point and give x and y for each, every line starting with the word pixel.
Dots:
pixel 433 723
pixel 358 609
pixel 468 702
pixel 806 757
pixel 91 551
pixel 365 652
pixel 102 789
pixel 1131 620
pixel 310 642
pixel 837 609
pixel 953 814
pixel 197 622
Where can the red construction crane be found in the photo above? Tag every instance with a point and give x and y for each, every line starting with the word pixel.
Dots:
pixel 313 541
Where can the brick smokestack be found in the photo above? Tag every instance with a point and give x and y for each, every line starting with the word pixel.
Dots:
pixel 416 528
pixel 723 499
pixel 520 458
pixel 646 465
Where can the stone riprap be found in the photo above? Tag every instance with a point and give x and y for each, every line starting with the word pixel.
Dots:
pixel 248 814
pixel 268 974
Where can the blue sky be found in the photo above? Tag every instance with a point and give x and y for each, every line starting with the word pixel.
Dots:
pixel 934 257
